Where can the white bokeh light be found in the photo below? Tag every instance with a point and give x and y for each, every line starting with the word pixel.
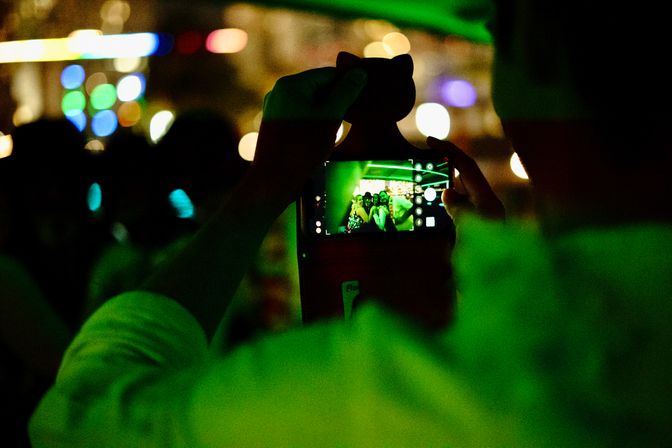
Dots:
pixel 130 87
pixel 433 120
pixel 248 145
pixel 159 125
pixel 517 167
pixel 6 145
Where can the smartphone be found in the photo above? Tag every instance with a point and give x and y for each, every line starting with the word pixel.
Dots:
pixel 375 227
pixel 377 197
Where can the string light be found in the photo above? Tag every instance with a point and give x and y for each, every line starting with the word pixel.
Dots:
pixel 83 44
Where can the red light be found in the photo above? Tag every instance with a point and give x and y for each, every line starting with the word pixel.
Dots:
pixel 189 42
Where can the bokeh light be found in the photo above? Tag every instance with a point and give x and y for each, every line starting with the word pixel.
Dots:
pixel 116 46
pixel 396 43
pixel 458 93
pixel 127 65
pixel 95 145
pixel 129 114
pixel 73 103
pixel 94 81
pixel 73 76
pixel 115 11
pixel 21 51
pixel 131 87
pixel 517 167
pixel 180 200
pixel 340 132
pixel 119 232
pixel 23 114
pixel 6 145
pixel 248 145
pixel 376 50
pixel 81 44
pixel 159 124
pixel 94 197
pixel 84 35
pixel 226 40
pixel 433 119
pixel 81 41
pixel 78 119
pixel 104 123
pixel 103 96
pixel 377 29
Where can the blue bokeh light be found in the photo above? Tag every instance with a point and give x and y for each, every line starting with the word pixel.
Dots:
pixel 78 119
pixel 104 123
pixel 73 76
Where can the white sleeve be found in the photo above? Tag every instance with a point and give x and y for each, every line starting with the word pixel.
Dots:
pixel 105 381
pixel 138 375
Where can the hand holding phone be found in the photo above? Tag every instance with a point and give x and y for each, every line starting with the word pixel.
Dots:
pixel 301 116
pixel 478 195
pixel 396 252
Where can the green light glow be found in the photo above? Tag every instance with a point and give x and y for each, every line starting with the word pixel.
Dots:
pixel 407 168
pixel 465 18
pixel 433 184
pixel 103 96
pixel 73 102
pixel 392 167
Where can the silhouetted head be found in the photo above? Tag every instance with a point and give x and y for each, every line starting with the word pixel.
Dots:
pixel 201 153
pixel 596 62
pixel 51 172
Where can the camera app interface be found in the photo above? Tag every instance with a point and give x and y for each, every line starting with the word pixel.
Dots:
pixel 377 196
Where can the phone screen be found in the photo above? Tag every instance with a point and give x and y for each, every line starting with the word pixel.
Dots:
pixel 377 196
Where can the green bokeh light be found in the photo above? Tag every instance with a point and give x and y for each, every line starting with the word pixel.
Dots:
pixel 73 103
pixel 103 96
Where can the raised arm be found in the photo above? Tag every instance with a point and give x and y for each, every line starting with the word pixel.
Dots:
pixel 301 116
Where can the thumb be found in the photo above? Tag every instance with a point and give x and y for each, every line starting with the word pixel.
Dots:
pixel 455 203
